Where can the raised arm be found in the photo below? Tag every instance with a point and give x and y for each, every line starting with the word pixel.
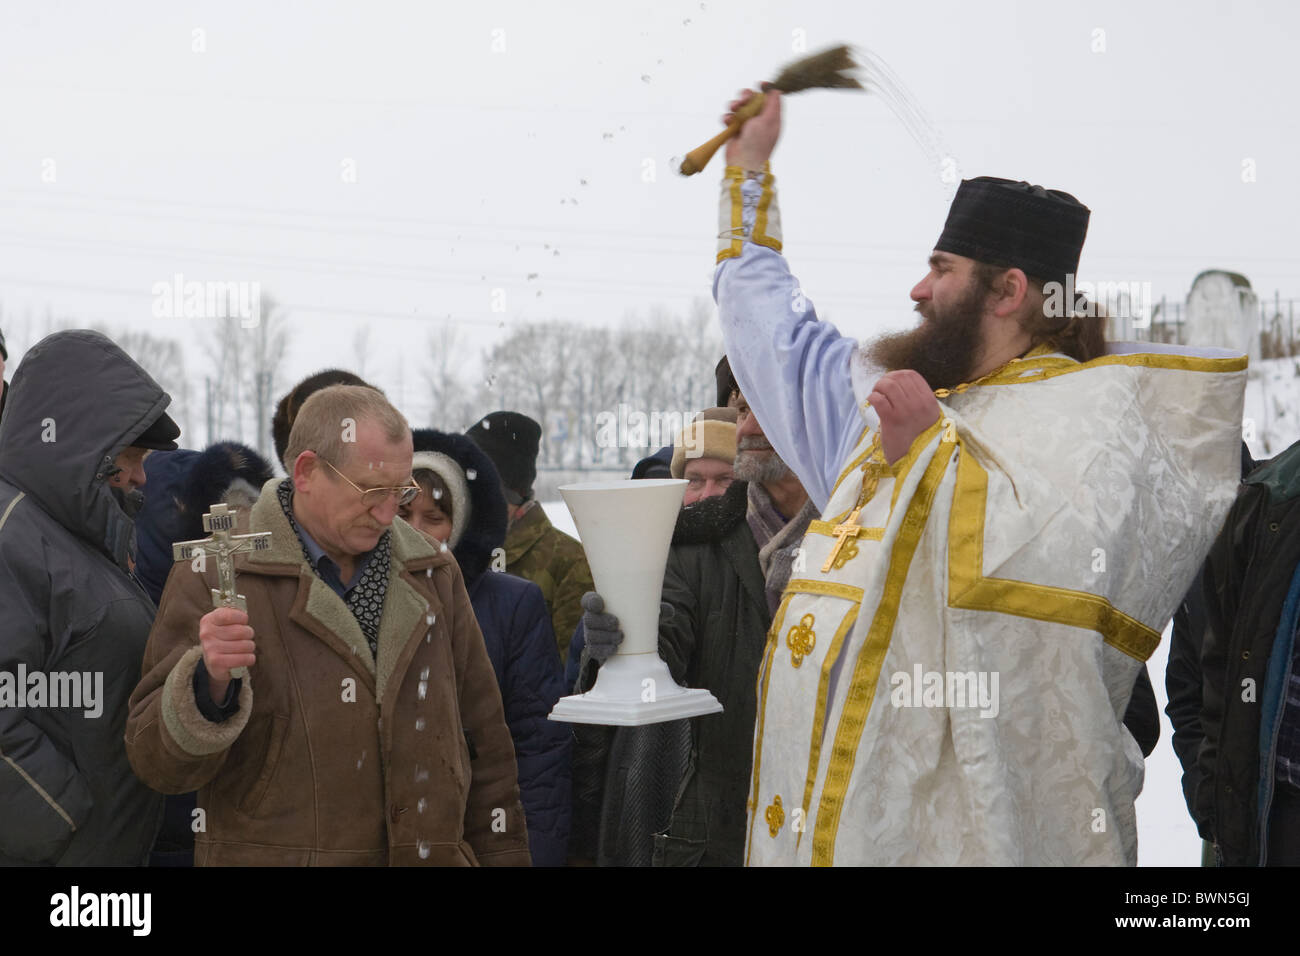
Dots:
pixel 794 369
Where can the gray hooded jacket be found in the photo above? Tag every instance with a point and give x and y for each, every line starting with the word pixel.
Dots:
pixel 69 606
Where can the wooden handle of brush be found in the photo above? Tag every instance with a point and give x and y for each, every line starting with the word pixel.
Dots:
pixel 699 157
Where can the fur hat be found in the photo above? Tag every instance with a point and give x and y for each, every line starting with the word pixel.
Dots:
pixel 454 478
pixel 711 435
pixel 484 534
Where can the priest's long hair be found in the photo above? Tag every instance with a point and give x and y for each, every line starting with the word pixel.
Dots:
pixel 1081 334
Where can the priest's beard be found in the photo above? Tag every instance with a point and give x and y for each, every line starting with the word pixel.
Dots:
pixel 944 349
pixel 756 460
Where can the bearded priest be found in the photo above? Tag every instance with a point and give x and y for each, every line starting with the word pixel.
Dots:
pixel 1012 509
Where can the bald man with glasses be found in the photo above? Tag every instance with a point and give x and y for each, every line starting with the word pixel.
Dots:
pixel 369 730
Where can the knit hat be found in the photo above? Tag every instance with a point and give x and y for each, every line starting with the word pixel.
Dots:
pixel 711 435
pixel 452 476
pixel 511 440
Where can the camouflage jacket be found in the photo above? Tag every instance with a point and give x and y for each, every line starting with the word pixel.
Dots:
pixel 541 553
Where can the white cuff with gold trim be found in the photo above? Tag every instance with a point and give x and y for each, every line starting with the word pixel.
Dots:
pixel 748 211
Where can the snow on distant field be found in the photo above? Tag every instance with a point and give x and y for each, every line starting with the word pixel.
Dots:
pixel 1272 411
pixel 558 512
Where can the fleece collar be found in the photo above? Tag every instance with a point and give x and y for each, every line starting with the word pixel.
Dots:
pixel 324 613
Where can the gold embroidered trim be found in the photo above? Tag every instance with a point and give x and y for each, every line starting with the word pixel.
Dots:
pixel 866 669
pixel 737 247
pixel 1037 370
pixel 760 691
pixel 765 200
pixel 775 816
pixel 824 588
pixel 969 589
pixel 801 639
pixel 854 463
pixel 904 465
pixel 819 715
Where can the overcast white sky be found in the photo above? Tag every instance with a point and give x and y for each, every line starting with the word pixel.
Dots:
pixel 475 168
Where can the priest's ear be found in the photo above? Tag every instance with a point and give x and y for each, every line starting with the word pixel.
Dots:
pixel 1009 292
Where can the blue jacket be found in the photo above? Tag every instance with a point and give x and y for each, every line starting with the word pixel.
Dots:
pixel 520 642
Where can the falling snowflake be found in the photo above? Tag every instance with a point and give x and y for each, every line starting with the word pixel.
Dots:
pixel 470 474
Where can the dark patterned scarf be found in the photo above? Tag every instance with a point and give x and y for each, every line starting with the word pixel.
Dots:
pixel 366 598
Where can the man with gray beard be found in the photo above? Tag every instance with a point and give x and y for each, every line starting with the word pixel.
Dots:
pixel 731 558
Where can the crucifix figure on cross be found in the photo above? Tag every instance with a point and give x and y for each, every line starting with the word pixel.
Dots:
pixel 222 545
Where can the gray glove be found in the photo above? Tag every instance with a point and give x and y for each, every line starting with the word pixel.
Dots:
pixel 603 634
pixel 601 629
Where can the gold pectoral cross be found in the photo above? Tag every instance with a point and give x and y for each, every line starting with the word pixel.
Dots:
pixel 847 533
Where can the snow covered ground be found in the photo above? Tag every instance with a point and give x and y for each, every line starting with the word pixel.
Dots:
pixel 1166 835
pixel 1271 418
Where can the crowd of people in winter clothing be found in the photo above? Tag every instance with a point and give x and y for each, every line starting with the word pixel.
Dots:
pixel 428 623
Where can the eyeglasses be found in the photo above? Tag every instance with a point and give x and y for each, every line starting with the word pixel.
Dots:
pixel 372 497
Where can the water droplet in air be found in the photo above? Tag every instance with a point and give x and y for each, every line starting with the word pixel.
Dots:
pixel 423 850
pixel 421 805
pixel 419 723
pixel 424 674
pixel 422 691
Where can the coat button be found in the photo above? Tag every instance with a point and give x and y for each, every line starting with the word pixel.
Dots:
pixel 1245 655
pixel 1273 526
pixel 397 812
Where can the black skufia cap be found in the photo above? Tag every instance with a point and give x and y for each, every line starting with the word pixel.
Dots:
pixel 1016 225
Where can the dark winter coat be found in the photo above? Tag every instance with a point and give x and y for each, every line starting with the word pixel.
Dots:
pixel 1183 680
pixel 516 628
pixel 713 639
pixel 68 603
pixel 182 486
pixel 1252 604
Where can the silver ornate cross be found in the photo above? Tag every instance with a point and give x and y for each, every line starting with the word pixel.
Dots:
pixel 223 546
